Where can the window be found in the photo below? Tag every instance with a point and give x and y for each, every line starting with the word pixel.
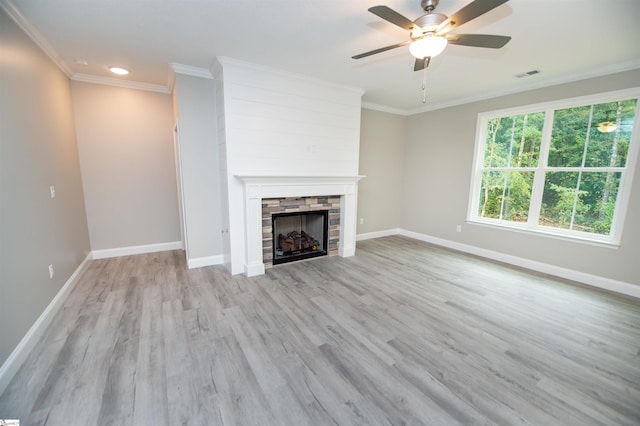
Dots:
pixel 562 168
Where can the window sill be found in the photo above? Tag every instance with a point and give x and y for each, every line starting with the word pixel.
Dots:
pixel 543 233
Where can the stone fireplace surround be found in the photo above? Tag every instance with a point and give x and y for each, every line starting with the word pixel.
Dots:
pixel 271 206
pixel 259 188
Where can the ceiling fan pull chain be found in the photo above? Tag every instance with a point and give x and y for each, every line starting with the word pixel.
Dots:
pixel 424 85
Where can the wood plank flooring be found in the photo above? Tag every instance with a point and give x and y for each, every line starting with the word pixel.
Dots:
pixel 402 333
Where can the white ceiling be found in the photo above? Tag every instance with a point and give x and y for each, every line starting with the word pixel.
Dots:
pixel 565 39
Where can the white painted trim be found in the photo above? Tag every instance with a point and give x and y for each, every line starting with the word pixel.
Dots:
pixel 171 80
pixel 19 355
pixel 128 251
pixel 532 85
pixel 257 188
pixel 176 68
pixel 25 25
pixel 200 262
pixel 378 234
pixel 570 274
pixel 384 108
pixel 128 84
pixel 223 61
pixel 539 171
pixel 297 180
pixel 190 70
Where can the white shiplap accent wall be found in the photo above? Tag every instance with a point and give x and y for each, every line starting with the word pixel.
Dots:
pixel 277 123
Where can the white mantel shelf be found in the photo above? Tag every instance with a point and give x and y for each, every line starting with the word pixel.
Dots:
pixel 257 187
pixel 296 179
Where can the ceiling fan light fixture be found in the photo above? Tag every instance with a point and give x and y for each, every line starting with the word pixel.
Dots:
pixel 416 33
pixel 429 46
pixel 607 126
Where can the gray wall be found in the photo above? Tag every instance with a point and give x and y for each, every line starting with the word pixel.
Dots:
pixel 37 149
pixel 125 140
pixel 382 141
pixel 437 172
pixel 198 152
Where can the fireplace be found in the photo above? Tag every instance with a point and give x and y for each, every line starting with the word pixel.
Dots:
pixel 315 213
pixel 268 195
pixel 300 235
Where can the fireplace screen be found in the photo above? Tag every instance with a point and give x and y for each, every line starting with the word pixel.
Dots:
pixel 299 235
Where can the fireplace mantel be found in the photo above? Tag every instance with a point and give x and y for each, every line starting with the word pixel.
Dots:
pixel 257 187
pixel 296 179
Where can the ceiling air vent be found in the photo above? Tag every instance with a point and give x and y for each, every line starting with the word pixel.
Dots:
pixel 528 73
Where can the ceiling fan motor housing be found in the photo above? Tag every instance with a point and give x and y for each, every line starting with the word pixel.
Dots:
pixel 430 21
pixel 429 5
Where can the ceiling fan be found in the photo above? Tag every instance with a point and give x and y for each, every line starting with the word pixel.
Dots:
pixel 429 34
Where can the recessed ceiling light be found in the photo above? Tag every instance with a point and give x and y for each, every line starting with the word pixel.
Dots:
pixel 119 71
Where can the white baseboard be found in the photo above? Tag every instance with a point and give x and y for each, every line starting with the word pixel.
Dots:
pixel 604 283
pixel 200 262
pixel 128 251
pixel 28 342
pixel 378 234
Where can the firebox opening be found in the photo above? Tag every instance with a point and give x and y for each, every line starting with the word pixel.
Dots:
pixel 299 235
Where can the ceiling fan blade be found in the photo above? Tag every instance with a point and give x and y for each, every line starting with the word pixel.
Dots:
pixel 392 16
pixel 382 49
pixel 421 63
pixel 478 40
pixel 467 13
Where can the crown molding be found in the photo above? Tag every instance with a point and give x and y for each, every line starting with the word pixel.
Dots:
pixel 30 30
pixel 171 80
pixel 220 62
pixel 25 25
pixel 384 108
pixel 535 84
pixel 176 68
pixel 87 78
pixel 189 70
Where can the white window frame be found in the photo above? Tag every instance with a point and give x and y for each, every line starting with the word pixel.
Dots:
pixel 532 226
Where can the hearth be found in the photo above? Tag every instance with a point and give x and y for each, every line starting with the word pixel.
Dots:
pixel 299 235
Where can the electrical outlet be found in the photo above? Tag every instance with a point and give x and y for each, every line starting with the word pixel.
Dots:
pixel 458 228
pixel 51 273
pixel 362 221
pixel 52 190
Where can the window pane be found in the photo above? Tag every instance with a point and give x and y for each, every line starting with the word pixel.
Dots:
pixel 506 195
pixel 569 136
pixel 590 211
pixel 598 192
pixel 585 146
pixel 558 199
pixel 610 134
pixel 514 141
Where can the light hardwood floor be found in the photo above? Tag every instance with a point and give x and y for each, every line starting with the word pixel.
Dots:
pixel 402 333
